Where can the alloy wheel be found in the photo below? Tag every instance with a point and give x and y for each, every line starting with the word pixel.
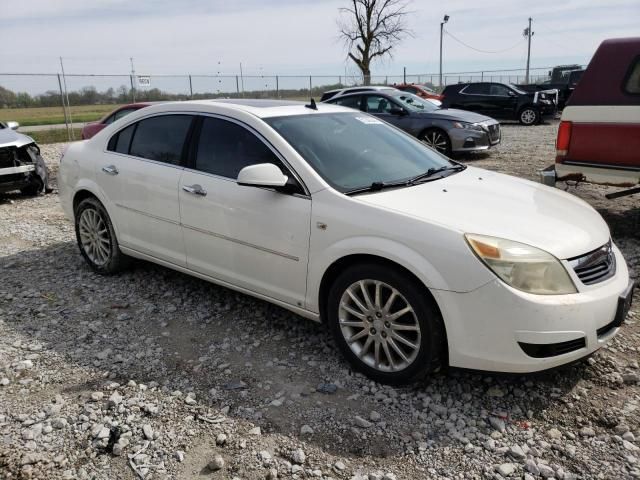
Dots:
pixel 436 140
pixel 379 325
pixel 94 236
pixel 528 116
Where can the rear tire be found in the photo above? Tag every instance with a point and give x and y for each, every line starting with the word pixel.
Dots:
pixel 437 139
pixel 97 239
pixel 372 332
pixel 529 116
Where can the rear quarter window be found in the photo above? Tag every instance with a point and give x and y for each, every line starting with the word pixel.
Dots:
pixel 632 83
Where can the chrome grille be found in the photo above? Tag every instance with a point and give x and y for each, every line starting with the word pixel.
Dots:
pixel 595 266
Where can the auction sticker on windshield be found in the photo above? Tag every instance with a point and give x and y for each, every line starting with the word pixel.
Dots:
pixel 369 120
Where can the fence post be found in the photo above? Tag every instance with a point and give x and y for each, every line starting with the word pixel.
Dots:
pixel 310 87
pixel 340 80
pixel 482 76
pixel 64 108
pixel 133 90
pixel 277 87
pixel 237 85
pixel 190 87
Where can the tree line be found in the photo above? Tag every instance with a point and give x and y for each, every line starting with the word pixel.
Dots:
pixel 91 96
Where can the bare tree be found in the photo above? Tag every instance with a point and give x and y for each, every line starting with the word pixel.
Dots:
pixel 371 28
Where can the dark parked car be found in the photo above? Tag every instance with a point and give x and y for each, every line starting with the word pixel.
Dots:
pixel 502 101
pixel 446 130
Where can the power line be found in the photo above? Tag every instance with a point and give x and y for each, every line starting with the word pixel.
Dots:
pixel 479 50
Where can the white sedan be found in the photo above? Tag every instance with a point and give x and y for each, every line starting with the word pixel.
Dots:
pixel 414 261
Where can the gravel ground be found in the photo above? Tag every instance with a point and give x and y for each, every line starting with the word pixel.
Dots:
pixel 154 374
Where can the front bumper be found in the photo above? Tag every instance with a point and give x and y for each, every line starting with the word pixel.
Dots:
pixel 465 140
pixel 491 327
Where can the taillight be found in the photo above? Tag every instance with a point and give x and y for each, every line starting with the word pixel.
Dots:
pixel 563 140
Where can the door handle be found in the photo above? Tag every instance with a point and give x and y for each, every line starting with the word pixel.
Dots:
pixel 195 189
pixel 110 169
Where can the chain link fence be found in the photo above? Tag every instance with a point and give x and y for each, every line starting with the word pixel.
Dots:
pixel 54 99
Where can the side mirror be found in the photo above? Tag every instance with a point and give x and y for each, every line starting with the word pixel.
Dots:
pixel 13 125
pixel 262 175
pixel 397 111
pixel 512 94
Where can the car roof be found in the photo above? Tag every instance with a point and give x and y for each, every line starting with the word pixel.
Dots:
pixel 257 107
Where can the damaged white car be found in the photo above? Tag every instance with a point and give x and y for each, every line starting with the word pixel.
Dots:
pixel 21 165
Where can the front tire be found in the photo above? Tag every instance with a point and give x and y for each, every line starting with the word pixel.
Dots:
pixel 33 189
pixel 385 324
pixel 529 116
pixel 97 239
pixel 437 139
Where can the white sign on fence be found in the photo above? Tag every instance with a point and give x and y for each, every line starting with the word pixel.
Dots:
pixel 144 81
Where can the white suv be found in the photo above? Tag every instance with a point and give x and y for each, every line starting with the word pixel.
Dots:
pixel 413 260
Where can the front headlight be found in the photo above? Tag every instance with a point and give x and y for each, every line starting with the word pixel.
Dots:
pixel 468 126
pixel 522 266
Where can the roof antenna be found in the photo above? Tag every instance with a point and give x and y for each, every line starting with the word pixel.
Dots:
pixel 312 105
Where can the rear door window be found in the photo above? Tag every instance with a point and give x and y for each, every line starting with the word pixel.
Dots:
pixel 124 140
pixel 632 85
pixel 351 102
pixel 499 90
pixel 161 138
pixel 476 89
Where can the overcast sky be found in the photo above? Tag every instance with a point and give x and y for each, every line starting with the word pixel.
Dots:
pixel 293 36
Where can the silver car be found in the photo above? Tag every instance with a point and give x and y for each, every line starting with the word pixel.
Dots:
pixel 447 130
pixel 21 165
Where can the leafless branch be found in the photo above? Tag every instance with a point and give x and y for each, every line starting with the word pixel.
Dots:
pixel 371 29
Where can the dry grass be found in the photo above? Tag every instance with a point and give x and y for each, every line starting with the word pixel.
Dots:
pixel 55 135
pixel 54 115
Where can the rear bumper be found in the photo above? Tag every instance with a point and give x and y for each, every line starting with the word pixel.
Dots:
pixel 612 175
pixel 498 328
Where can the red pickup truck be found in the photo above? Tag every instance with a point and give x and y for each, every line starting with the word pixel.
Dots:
pixel 599 134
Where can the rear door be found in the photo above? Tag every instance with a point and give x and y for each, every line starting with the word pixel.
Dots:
pixel 254 238
pixel 140 174
pixel 475 97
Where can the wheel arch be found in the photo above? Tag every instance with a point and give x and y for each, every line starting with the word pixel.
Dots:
pixel 342 263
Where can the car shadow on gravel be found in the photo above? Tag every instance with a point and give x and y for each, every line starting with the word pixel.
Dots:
pixel 268 366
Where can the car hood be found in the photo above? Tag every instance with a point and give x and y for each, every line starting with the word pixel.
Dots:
pixel 11 138
pixel 457 115
pixel 488 203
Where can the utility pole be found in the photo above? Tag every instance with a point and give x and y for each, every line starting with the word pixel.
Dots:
pixel 528 33
pixel 66 93
pixel 445 20
pixel 133 76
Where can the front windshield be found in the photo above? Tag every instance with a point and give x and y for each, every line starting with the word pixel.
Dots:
pixel 517 90
pixel 414 102
pixel 354 150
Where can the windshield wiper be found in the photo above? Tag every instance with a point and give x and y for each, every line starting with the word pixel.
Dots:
pixel 457 167
pixel 376 186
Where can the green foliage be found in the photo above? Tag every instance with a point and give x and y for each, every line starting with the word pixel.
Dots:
pixel 90 96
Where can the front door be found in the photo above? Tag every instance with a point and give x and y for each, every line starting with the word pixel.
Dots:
pixel 505 99
pixel 254 238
